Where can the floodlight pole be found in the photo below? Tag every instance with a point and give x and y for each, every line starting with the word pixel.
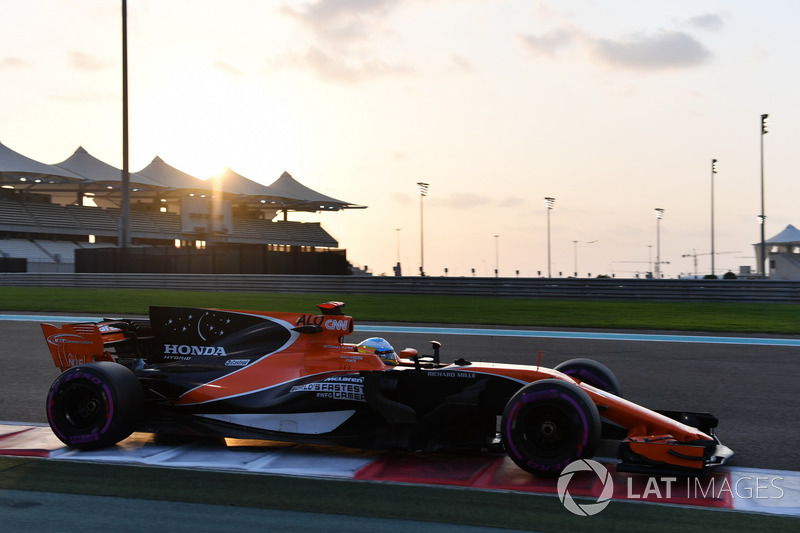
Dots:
pixel 497 256
pixel 575 249
pixel 125 215
pixel 713 172
pixel 762 218
pixel 548 202
pixel 659 215
pixel 397 230
pixel 423 191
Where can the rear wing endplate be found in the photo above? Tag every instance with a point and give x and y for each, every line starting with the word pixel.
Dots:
pixel 74 344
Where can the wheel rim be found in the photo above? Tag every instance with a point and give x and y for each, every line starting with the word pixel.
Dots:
pixel 547 429
pixel 84 407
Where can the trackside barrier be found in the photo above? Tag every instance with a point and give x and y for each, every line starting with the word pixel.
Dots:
pixel 542 288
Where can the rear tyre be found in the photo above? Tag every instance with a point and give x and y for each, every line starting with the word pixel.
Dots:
pixel 590 371
pixel 94 405
pixel 548 424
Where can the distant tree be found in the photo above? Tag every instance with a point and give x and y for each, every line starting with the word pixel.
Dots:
pixel 729 275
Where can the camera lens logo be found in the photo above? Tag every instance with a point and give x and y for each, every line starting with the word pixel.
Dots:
pixel 586 509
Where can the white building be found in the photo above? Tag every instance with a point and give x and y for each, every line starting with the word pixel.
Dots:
pixel 783 255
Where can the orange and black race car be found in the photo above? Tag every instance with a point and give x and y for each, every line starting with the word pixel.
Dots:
pixel 290 377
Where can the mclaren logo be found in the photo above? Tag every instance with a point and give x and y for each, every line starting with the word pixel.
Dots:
pixel 186 349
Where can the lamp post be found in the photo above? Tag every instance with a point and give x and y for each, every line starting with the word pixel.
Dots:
pixel 398 243
pixel 659 215
pixel 548 202
pixel 423 191
pixel 575 243
pixel 497 256
pixel 125 212
pixel 713 172
pixel 762 218
pixel 397 265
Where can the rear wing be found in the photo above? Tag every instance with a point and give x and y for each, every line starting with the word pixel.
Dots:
pixel 74 344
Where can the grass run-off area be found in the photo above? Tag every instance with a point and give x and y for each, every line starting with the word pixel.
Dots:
pixel 686 316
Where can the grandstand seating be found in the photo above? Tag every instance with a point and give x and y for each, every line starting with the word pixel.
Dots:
pixel 55 231
pixel 12 213
pixel 167 222
pixel 283 232
pixel 51 215
pixel 23 248
pixel 92 217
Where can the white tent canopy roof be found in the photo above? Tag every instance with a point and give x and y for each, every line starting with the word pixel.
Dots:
pixel 289 187
pixel 790 234
pixel 15 165
pixel 169 176
pixel 231 182
pixel 89 167
pixel 82 172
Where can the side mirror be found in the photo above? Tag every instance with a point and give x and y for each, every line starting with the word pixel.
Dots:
pixel 436 345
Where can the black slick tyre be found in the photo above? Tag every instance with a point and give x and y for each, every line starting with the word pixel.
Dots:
pixel 590 371
pixel 94 405
pixel 548 424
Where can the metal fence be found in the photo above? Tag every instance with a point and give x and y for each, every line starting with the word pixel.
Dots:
pixel 544 288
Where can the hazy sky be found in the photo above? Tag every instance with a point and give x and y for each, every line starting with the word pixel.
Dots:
pixel 612 107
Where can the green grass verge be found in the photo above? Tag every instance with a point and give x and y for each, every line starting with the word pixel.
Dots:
pixel 687 316
pixel 357 498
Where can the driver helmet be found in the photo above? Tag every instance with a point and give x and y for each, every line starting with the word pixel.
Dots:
pixel 378 346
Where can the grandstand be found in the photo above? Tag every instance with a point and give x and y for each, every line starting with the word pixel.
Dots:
pixel 50 214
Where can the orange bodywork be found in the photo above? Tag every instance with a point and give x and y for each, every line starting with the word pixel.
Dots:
pixel 665 449
pixel 320 352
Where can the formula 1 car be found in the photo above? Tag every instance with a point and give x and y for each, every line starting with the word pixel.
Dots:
pixel 290 377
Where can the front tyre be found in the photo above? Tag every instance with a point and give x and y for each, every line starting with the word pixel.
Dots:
pixel 548 424
pixel 94 405
pixel 590 371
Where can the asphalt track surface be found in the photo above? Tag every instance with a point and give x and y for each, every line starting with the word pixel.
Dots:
pixel 752 389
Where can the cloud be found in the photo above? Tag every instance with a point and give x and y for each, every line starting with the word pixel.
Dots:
pixel 333 67
pixel 513 201
pixel 663 50
pixel 341 19
pixel 653 50
pixel 82 61
pixel 340 40
pixel 465 200
pixel 708 21
pixel 13 63
pixel 461 64
pixel 401 198
pixel 548 43
pixel 228 69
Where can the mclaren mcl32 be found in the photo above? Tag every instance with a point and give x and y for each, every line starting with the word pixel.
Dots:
pixel 290 377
